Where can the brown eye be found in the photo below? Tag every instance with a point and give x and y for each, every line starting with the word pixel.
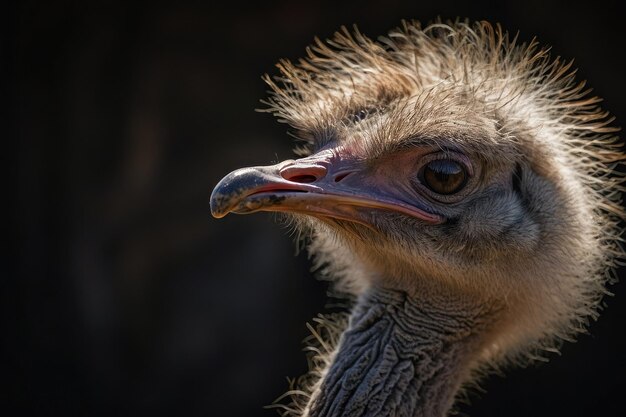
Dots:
pixel 444 176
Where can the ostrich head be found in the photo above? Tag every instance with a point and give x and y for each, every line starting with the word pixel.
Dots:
pixel 460 185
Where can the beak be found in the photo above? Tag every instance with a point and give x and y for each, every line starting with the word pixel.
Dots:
pixel 324 185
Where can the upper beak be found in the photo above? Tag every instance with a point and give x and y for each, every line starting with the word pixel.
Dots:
pixel 323 185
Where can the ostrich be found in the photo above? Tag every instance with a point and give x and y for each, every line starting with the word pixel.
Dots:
pixel 461 186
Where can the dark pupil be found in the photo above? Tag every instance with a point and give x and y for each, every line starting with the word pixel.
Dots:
pixel 359 116
pixel 444 176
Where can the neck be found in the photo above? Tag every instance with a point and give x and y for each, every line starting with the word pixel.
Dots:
pixel 400 356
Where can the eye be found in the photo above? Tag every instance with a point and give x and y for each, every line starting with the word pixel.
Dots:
pixel 362 114
pixel 359 116
pixel 444 176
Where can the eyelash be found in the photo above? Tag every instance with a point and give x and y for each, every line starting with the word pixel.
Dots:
pixel 362 114
pixel 448 154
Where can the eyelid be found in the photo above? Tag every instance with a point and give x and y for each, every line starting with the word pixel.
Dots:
pixel 451 155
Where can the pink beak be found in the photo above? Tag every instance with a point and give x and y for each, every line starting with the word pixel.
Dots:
pixel 323 185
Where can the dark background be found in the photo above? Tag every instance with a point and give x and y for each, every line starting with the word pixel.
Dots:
pixel 120 294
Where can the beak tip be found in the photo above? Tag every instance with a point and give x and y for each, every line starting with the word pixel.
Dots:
pixel 215 212
pixel 217 204
pixel 232 190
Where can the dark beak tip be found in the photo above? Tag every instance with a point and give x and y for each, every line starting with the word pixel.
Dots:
pixel 217 215
pixel 233 188
pixel 215 211
pixel 217 203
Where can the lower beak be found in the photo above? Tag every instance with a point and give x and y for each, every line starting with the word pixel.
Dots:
pixel 321 185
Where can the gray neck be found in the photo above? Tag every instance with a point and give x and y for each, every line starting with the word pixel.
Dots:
pixel 400 357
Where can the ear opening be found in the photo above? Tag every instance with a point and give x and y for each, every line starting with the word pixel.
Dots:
pixel 517 179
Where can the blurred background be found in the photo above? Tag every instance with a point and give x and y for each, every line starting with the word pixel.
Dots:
pixel 120 294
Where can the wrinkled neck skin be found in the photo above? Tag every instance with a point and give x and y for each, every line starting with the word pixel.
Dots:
pixel 401 356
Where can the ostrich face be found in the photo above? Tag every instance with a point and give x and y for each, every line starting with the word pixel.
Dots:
pixel 450 203
pixel 448 162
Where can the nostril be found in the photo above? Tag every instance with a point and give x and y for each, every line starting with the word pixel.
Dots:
pixel 303 174
pixel 341 176
pixel 302 178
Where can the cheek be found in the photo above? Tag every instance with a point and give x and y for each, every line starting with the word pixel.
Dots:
pixel 498 222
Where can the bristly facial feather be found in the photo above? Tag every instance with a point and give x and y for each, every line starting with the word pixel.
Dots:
pixel 538 232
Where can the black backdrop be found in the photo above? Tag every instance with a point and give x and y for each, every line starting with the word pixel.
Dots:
pixel 120 295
